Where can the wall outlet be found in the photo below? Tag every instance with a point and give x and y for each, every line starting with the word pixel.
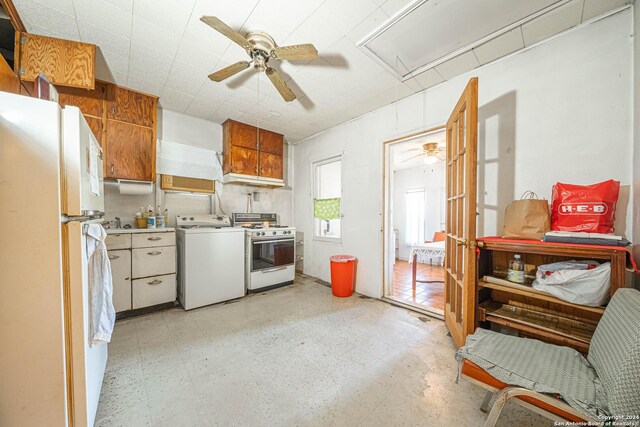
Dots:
pixel 256 196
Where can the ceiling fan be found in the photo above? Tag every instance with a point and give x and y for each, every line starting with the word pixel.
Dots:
pixel 261 48
pixel 431 152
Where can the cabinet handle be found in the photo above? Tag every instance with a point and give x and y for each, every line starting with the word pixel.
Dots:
pixel 126 278
pixel 153 239
pixel 113 110
pixel 114 256
pixel 154 282
pixel 112 169
pixel 154 253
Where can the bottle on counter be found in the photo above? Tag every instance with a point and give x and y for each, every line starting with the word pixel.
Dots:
pixel 159 219
pixel 151 218
pixel 515 273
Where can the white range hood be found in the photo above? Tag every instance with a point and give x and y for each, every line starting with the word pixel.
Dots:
pixel 237 178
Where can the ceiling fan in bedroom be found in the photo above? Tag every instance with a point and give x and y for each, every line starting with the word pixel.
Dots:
pixel 431 152
pixel 261 48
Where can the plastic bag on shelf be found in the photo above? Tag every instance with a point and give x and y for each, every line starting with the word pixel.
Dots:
pixel 579 282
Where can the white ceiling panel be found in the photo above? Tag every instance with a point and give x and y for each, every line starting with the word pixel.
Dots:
pixel 106 40
pixel 174 100
pixel 458 65
pixel 428 78
pixel 154 37
pixel 162 47
pixel 554 22
pixel 417 45
pixel 500 46
pixel 593 8
pixel 105 16
pixel 171 16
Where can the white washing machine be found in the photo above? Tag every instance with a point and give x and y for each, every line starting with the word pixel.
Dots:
pixel 210 260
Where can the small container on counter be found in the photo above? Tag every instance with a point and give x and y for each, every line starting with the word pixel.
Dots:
pixel 151 219
pixel 159 221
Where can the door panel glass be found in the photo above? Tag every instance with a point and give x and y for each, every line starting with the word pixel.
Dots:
pixel 271 253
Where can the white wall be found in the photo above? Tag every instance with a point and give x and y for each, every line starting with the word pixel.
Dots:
pixel 180 128
pixel 432 179
pixel 560 111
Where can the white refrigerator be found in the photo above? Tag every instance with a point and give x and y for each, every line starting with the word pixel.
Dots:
pixel 50 188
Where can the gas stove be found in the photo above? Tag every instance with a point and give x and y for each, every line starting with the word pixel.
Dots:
pixel 270 250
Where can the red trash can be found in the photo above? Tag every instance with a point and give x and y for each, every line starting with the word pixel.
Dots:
pixel 343 274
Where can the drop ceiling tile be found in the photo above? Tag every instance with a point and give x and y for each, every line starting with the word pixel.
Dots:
pixel 500 46
pixel 202 35
pixel 392 7
pixel 105 16
pixel 104 39
pixel 344 53
pixel 593 8
pixel 428 78
pixel 200 58
pixel 174 100
pixel 122 4
pixel 147 65
pixel 553 22
pixel 143 84
pixel 185 78
pixel 279 18
pixel 200 108
pixel 48 21
pixel 172 16
pixel 154 37
pixel 117 66
pixel 366 27
pixel 62 6
pixel 458 65
pixel 346 15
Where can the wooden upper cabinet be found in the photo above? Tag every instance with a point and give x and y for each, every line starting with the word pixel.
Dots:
pixel 96 126
pixel 9 82
pixel 241 134
pixel 271 165
pixel 90 102
pixel 130 106
pixel 64 62
pixel 129 151
pixel 271 142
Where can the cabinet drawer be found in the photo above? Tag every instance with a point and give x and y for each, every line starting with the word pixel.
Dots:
pixel 121 273
pixel 152 240
pixel 153 290
pixel 118 241
pixel 147 262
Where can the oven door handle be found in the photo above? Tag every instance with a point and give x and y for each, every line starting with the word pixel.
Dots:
pixel 271 270
pixel 262 242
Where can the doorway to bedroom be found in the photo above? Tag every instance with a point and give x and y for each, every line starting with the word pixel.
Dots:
pixel 415 220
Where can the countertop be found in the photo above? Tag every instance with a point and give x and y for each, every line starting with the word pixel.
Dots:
pixel 138 230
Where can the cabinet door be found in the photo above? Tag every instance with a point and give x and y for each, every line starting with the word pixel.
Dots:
pixel 90 102
pixel 130 106
pixel 95 124
pixel 244 161
pixel 153 290
pixel 129 151
pixel 121 274
pixel 270 165
pixel 240 134
pixel 64 62
pixel 271 142
pixel 9 82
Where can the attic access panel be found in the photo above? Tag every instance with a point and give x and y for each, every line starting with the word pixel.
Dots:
pixel 428 32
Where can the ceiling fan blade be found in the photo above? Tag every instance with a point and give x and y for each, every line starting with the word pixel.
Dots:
pixel 229 71
pixel 226 31
pixel 412 157
pixel 297 52
pixel 280 84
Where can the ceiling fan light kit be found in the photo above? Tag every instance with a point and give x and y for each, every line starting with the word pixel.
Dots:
pixel 261 48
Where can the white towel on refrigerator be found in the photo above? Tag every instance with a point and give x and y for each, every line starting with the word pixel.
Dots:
pixel 101 312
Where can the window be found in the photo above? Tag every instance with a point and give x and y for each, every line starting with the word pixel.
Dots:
pixel 414 204
pixel 327 183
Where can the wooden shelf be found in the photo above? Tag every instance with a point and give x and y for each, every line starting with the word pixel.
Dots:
pixel 576 333
pixel 531 292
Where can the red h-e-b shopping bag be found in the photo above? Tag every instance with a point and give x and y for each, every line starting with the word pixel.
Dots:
pixel 587 208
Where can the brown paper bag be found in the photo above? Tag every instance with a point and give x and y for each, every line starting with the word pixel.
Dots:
pixel 527 218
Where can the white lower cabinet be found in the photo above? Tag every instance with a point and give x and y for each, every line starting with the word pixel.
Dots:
pixel 153 290
pixel 143 266
pixel 121 273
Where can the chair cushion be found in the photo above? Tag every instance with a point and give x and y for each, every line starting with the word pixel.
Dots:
pixel 538 366
pixel 615 352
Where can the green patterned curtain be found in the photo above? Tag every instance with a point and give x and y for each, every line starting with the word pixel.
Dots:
pixel 326 208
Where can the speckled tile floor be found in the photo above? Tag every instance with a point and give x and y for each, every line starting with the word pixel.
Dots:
pixel 290 356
